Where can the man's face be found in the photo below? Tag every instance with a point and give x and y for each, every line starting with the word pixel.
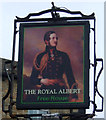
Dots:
pixel 53 40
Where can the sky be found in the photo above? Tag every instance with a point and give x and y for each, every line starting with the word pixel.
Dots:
pixel 9 9
pixel 22 9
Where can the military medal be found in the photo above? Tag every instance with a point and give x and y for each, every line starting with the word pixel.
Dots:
pixel 52 56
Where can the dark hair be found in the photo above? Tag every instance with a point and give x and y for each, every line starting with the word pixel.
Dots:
pixel 47 35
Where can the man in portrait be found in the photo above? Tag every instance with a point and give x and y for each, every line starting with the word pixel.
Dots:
pixel 52 68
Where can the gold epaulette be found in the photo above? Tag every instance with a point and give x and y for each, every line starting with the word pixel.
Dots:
pixel 43 62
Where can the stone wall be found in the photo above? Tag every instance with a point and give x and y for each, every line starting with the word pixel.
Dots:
pixel 4 88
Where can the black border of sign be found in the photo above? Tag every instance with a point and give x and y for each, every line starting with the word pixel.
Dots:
pixel 19 104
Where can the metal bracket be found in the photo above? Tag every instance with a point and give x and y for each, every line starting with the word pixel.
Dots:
pixel 96 84
pixel 9 86
pixel 54 13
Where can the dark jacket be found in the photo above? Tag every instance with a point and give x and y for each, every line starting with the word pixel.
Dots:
pixel 54 69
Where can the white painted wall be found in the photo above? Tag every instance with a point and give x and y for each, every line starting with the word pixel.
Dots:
pixel 10 9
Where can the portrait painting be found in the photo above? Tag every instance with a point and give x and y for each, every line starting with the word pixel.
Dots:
pixel 53 65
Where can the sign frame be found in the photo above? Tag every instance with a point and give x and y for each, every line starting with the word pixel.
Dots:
pixel 53 105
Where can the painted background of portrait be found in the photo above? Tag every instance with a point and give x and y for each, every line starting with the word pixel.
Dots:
pixel 70 40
